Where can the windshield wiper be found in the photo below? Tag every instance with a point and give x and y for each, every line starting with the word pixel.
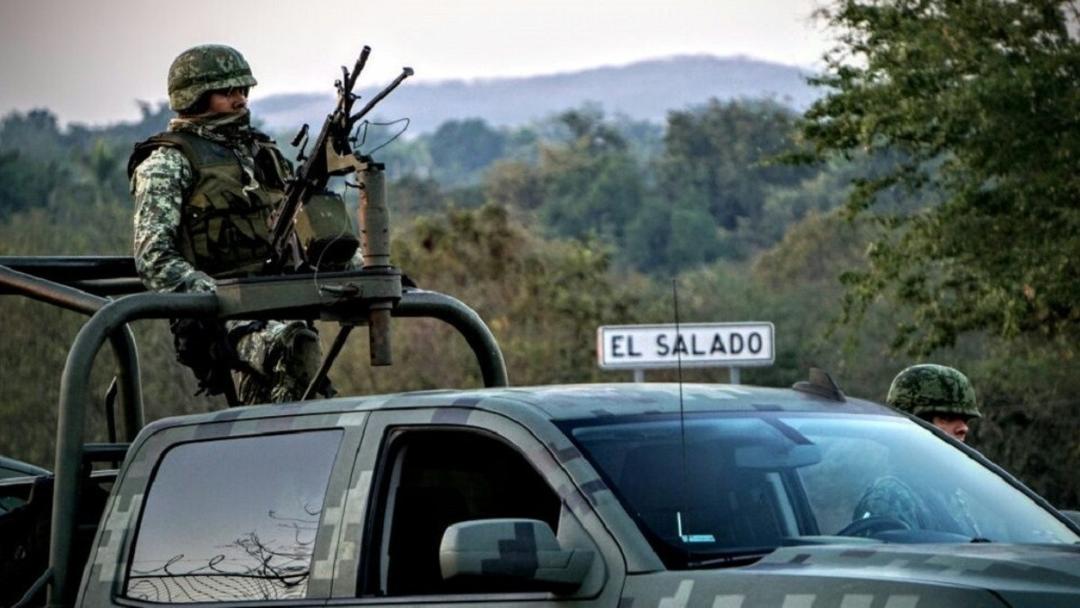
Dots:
pixel 731 559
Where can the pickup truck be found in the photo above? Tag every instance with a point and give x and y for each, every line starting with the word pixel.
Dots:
pixel 620 495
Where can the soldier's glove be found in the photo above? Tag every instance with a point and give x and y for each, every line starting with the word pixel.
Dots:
pixel 201 345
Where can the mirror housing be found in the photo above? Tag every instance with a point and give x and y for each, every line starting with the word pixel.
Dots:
pixel 777 456
pixel 512 550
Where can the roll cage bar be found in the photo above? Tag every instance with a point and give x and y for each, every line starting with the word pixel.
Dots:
pixel 108 290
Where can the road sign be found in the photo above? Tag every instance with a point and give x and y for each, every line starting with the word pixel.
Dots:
pixel 696 344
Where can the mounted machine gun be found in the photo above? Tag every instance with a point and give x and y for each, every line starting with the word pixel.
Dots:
pixel 108 290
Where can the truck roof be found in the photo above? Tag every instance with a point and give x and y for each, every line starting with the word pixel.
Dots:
pixel 566 402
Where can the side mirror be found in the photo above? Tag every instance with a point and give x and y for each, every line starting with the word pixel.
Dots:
pixel 521 551
pixel 772 457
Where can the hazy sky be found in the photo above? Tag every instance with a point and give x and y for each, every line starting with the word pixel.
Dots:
pixel 89 60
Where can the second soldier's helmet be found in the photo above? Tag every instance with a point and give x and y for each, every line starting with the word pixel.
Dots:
pixel 927 389
pixel 205 68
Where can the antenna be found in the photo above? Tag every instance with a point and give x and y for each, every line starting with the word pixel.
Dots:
pixel 682 415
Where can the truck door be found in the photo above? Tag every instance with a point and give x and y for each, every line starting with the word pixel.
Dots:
pixel 235 511
pixel 420 472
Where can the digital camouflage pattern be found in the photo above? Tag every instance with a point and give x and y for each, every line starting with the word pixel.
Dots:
pixel 158 187
pixel 113 542
pixel 889 497
pixel 628 573
pixel 283 358
pixel 927 389
pixel 277 360
pixel 205 68
pixel 237 183
pixel 161 185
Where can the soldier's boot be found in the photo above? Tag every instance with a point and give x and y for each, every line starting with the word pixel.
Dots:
pixel 251 388
pixel 298 357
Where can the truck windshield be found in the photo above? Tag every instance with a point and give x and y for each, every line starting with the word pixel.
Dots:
pixel 718 488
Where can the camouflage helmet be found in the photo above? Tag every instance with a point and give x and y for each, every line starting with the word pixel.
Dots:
pixel 928 389
pixel 204 68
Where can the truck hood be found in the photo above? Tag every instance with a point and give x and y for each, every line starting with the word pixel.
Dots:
pixel 996 567
pixel 893 575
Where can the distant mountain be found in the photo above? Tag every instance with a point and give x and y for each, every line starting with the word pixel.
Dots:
pixel 646 90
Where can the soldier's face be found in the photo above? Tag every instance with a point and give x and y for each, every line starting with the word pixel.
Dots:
pixel 954 425
pixel 228 101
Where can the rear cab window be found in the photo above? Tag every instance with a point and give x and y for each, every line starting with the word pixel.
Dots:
pixel 232 519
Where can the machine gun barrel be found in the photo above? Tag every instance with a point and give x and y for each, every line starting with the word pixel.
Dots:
pixel 405 73
pixel 315 171
pixel 361 61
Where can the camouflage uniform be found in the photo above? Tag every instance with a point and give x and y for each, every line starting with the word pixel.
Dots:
pixel 276 360
pixel 892 498
pixel 923 509
pixel 925 390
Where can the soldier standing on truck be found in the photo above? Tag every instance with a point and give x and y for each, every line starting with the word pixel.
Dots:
pixel 938 394
pixel 204 193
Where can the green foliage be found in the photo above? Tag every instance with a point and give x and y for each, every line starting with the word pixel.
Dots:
pixel 543 300
pixel 41 165
pixel 590 191
pixel 716 191
pixel 514 184
pixel 414 196
pixel 586 183
pixel 35 134
pixel 404 158
pixel 37 336
pixel 977 104
pixel 66 193
pixel 718 155
pixel 547 241
pixel 461 148
pixel 667 237
pixel 25 183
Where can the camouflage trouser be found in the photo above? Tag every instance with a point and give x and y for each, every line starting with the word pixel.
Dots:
pixel 279 360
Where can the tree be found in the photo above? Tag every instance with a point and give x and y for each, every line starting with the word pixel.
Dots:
pixel 105 170
pixel 461 148
pixel 667 237
pixel 718 156
pixel 514 184
pixel 35 134
pixel 976 105
pixel 26 183
pixel 592 184
pixel 412 196
pixel 543 300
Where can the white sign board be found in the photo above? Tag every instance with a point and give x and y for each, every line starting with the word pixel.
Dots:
pixel 696 344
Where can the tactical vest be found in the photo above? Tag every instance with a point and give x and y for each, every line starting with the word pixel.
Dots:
pixel 224 230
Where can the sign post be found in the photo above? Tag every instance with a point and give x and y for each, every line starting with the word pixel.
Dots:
pixel 642 347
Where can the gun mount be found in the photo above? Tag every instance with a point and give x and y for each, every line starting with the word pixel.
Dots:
pixel 109 291
pixel 84 284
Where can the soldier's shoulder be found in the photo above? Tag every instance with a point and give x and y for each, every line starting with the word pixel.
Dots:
pixel 164 162
pixel 164 156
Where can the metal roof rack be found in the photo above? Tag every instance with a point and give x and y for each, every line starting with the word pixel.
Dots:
pixel 108 290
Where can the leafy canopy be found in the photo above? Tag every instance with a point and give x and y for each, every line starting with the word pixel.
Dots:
pixel 976 104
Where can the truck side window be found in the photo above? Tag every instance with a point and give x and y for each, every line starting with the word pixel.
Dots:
pixel 232 519
pixel 432 479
